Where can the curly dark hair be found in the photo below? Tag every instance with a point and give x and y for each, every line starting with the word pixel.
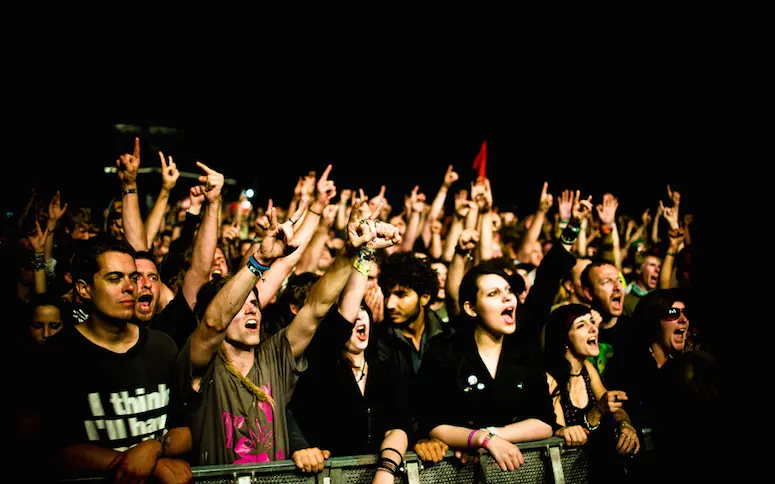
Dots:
pixel 403 269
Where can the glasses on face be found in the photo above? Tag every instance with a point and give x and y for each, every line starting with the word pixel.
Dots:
pixel 674 314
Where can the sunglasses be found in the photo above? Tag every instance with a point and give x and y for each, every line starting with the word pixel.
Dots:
pixel 673 314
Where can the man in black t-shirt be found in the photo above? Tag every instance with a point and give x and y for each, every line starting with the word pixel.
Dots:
pixel 603 287
pixel 115 410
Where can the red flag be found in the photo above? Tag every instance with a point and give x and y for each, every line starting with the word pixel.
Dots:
pixel 480 162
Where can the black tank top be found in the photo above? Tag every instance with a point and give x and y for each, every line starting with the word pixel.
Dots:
pixel 574 415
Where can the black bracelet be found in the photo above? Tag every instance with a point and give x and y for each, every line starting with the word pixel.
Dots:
pixel 316 213
pixel 400 455
pixel 464 253
pixel 128 191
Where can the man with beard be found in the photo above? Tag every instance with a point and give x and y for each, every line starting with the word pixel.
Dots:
pixel 646 280
pixel 409 285
pixel 603 286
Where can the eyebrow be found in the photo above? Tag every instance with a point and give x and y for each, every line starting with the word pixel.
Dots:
pixel 496 287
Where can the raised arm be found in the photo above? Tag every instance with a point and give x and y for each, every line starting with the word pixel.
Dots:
pixel 457 269
pixel 485 204
pixel 531 237
pixel 169 176
pixel 326 291
pixel 462 207
pixel 211 331
pixel 607 213
pixel 134 230
pixel 38 241
pixel 414 207
pixel 207 237
pixel 676 237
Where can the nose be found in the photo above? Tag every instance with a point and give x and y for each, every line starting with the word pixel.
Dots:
pixel 46 332
pixel 144 282
pixel 391 302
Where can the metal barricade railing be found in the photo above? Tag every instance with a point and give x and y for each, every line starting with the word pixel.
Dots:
pixel 546 461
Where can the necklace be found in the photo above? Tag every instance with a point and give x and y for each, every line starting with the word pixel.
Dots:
pixel 363 371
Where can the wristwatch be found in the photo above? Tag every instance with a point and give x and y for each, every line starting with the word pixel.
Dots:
pixel 128 191
pixel 492 430
pixel 164 440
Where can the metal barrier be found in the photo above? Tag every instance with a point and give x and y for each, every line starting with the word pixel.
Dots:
pixel 546 461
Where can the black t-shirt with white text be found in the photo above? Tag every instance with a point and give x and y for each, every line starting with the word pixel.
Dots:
pixel 110 399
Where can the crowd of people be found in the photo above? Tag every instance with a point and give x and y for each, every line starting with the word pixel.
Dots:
pixel 206 331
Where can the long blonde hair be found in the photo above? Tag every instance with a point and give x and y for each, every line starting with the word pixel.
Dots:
pixel 252 387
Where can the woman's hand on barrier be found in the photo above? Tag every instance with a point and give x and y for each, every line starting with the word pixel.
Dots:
pixel 575 435
pixel 627 442
pixel 507 455
pixel 430 449
pixel 611 401
pixel 173 471
pixel 310 460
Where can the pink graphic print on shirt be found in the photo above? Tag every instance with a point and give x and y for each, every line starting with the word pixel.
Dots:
pixel 254 447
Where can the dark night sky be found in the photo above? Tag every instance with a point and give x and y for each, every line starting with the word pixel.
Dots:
pixel 632 149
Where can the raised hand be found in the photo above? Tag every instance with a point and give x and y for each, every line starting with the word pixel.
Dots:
pixel 212 182
pixel 676 237
pixel 230 232
pixel 345 195
pixel 196 196
pixel 361 227
pixel 462 204
pixel 450 177
pixel 545 202
pixel 436 227
pixel 674 196
pixel 385 235
pixel 55 209
pixel 607 210
pixel 468 240
pixel 169 173
pixel 308 185
pixel 278 237
pixel 380 198
pixel 670 214
pixel 329 215
pixel 326 188
pixel 565 205
pixel 375 300
pixel 127 166
pixel 38 238
pixel 482 194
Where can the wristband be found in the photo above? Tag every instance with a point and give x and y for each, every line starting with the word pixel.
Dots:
pixel 471 437
pixel 39 261
pixel 128 191
pixel 487 440
pixel 316 213
pixel 671 253
pixel 256 268
pixel 464 253
pixel 605 229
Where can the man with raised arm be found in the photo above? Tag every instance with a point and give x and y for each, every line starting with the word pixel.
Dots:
pixel 236 385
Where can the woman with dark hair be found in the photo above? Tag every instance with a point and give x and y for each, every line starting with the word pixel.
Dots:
pixel 349 402
pixel 581 402
pixel 483 387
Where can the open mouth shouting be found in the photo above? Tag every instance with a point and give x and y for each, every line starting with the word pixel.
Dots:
pixel 144 303
pixel 679 338
pixel 251 324
pixel 616 303
pixel 592 342
pixel 509 315
pixel 361 332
